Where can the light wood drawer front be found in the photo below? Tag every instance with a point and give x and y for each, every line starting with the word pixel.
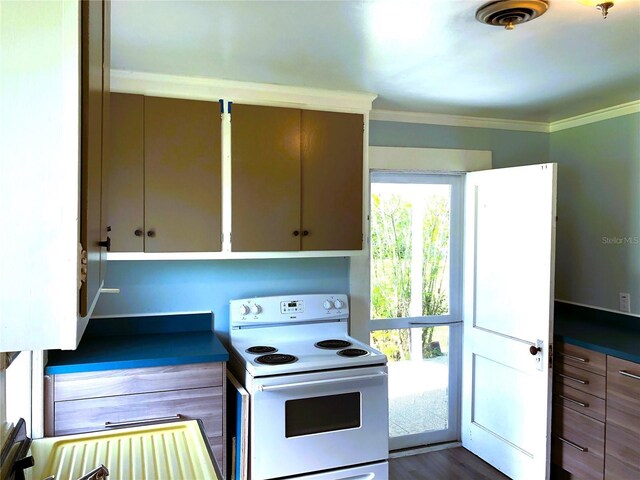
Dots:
pixel 581 450
pixel 582 358
pixel 623 454
pixel 581 402
pixel 623 394
pixel 73 386
pixel 583 380
pixel 87 415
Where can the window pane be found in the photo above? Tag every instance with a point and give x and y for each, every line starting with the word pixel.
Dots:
pixel 418 378
pixel 410 227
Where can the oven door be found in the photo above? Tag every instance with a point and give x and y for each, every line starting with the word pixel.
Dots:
pixel 304 423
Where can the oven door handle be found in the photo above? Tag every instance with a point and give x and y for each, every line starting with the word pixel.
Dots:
pixel 289 386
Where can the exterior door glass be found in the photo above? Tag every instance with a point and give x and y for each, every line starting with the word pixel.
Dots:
pixel 416 301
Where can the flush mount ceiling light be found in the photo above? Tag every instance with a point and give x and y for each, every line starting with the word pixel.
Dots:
pixel 600 5
pixel 509 13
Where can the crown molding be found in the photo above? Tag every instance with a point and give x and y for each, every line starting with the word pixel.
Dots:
pixel 458 121
pixel 597 116
pixel 213 89
pixel 503 124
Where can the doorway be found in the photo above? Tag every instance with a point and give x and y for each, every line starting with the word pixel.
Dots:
pixel 415 306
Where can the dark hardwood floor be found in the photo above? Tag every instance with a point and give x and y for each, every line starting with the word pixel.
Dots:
pixel 449 464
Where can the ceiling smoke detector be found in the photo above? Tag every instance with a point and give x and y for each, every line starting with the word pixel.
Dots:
pixel 509 13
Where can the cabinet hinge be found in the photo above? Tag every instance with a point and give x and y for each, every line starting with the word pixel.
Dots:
pixel 82 265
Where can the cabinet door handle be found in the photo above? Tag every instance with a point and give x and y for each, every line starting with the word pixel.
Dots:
pixel 305 233
pixel 138 232
pixel 106 243
pixel 573 357
pixel 296 233
pixel 627 374
pixel 145 421
pixel 151 233
pixel 574 379
pixel 571 444
pixel 571 400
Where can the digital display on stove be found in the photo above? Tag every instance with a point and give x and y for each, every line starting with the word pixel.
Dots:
pixel 292 306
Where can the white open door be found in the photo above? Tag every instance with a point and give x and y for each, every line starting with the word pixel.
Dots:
pixel 508 315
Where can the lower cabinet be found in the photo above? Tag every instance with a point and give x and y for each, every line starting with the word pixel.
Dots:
pixel 596 416
pixel 93 401
pixel 623 419
pixel 578 443
pixel 579 405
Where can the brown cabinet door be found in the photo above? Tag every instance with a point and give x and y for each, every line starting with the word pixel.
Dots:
pixel 182 177
pixel 125 173
pixel 91 149
pixel 332 176
pixel 265 179
pixel 106 92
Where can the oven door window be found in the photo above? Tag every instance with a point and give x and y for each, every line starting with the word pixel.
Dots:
pixel 328 413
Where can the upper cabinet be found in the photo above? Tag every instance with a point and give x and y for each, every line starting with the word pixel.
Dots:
pixel 248 176
pixel 125 201
pixel 164 175
pixel 331 151
pixel 265 179
pixel 94 126
pixel 55 72
pixel 296 179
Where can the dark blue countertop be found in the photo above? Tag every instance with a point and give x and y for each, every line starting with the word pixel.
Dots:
pixel 606 332
pixel 136 342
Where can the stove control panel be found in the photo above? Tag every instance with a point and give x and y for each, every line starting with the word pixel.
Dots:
pixel 288 309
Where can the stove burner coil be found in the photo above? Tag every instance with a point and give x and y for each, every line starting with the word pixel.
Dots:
pixel 261 349
pixel 276 359
pixel 332 344
pixel 352 352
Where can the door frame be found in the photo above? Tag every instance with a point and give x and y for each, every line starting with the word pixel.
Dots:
pixel 415 160
pixel 453 319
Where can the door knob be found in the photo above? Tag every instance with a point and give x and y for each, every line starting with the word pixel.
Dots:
pixel 151 233
pixel 138 232
pixel 296 233
pixel 533 350
pixel 305 233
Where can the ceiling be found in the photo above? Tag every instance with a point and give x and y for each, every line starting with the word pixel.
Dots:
pixel 417 56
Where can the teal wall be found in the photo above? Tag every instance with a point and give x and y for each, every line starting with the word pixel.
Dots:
pixel 208 285
pixel 509 147
pixel 598 237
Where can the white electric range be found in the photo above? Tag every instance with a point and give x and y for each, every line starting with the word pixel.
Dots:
pixel 318 397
